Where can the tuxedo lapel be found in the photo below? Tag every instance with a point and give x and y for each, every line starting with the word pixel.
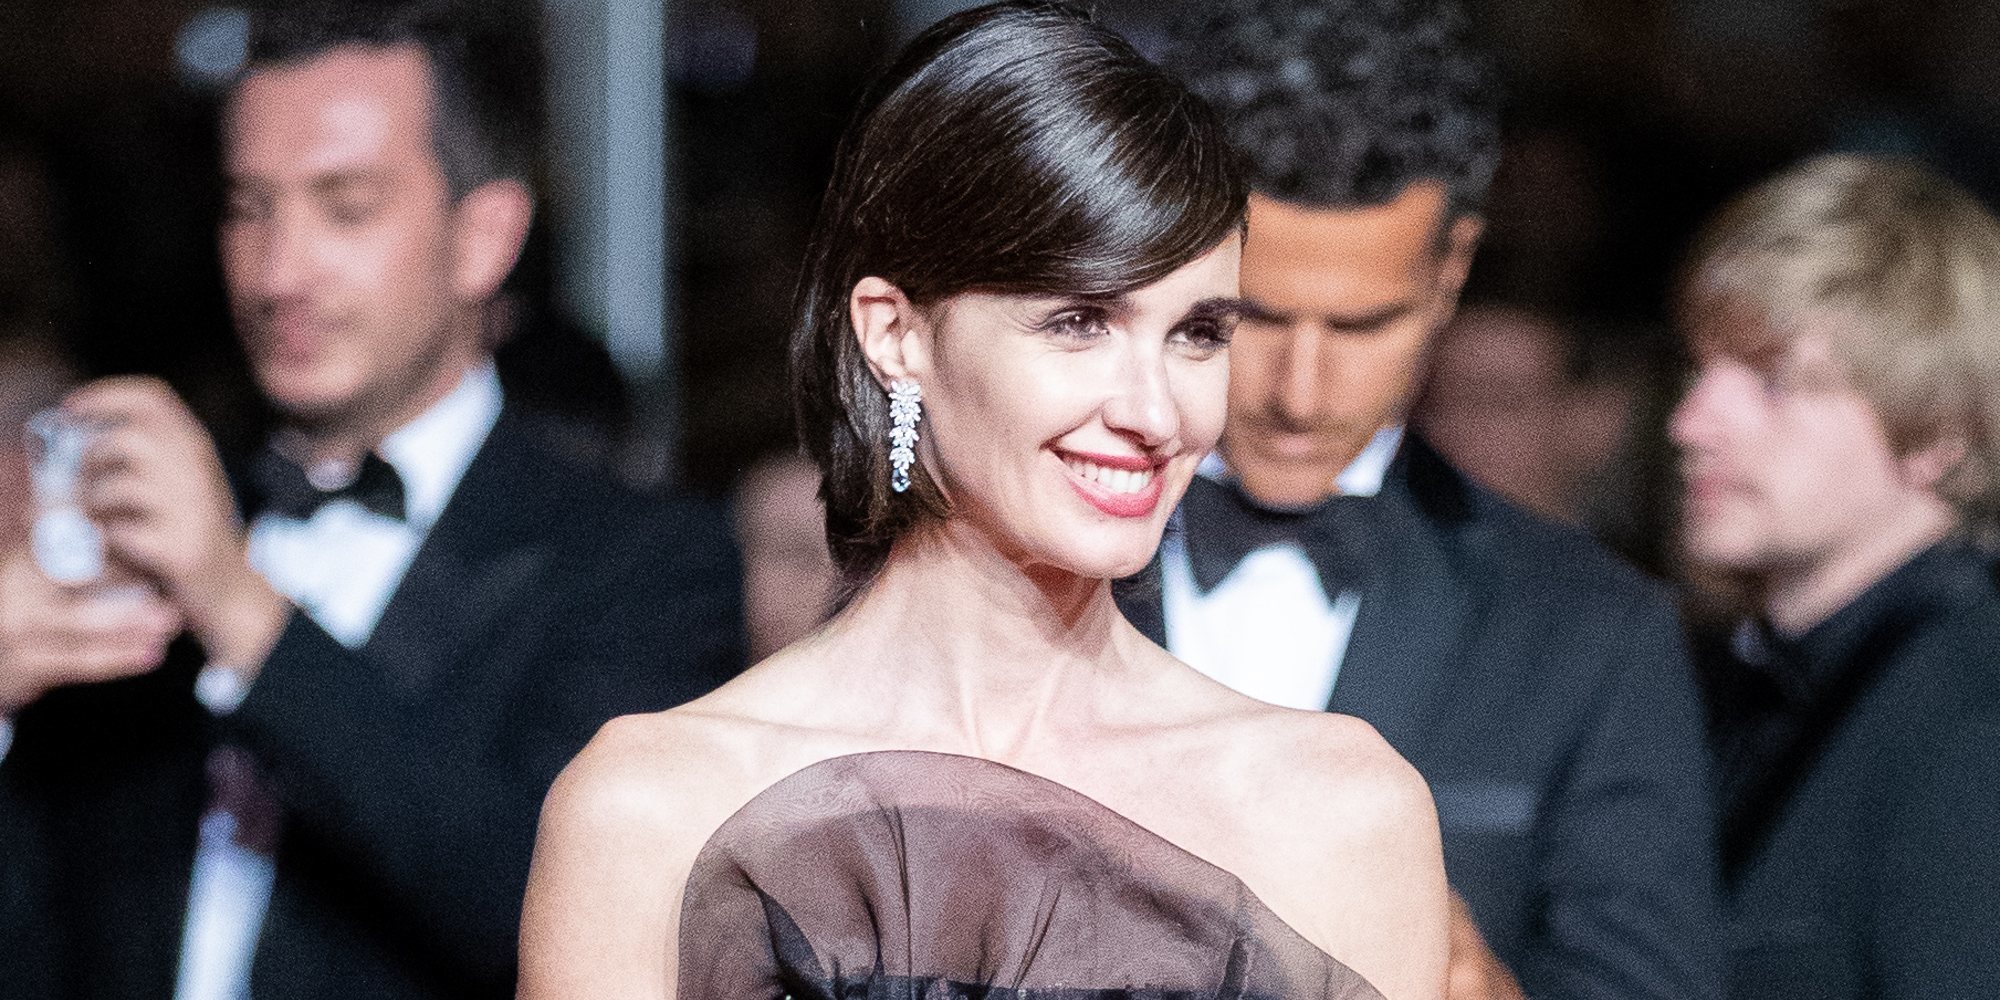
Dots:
pixel 1416 608
pixel 478 561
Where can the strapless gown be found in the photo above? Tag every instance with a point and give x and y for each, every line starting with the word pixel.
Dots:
pixel 906 875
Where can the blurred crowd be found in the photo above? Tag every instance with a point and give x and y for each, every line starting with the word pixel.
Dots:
pixel 1583 377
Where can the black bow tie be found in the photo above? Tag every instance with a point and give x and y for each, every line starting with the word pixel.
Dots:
pixel 283 488
pixel 1223 526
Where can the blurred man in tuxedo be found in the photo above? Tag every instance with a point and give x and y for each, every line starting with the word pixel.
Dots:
pixel 328 786
pixel 1840 442
pixel 1329 560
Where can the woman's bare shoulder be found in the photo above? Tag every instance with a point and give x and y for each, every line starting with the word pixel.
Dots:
pixel 1365 765
pixel 619 832
pixel 692 765
pixel 1347 816
pixel 647 782
pixel 1331 764
pixel 673 777
pixel 624 825
pixel 1318 771
pixel 1353 781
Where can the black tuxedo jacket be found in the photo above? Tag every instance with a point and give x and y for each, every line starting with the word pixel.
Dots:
pixel 1543 690
pixel 411 771
pixel 24 941
pixel 1872 869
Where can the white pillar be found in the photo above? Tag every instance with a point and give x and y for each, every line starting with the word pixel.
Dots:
pixel 608 122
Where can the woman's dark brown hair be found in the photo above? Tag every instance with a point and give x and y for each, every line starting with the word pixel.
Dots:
pixel 1017 148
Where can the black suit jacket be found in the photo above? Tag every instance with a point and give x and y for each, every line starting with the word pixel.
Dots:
pixel 1872 870
pixel 24 943
pixel 1543 690
pixel 411 771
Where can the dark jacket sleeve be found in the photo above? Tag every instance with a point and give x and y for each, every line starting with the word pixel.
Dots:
pixel 434 821
pixel 1628 863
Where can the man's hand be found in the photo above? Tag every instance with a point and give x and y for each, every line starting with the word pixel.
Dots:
pixel 1475 973
pixel 51 635
pixel 155 484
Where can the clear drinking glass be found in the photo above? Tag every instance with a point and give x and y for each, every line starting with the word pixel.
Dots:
pixel 67 545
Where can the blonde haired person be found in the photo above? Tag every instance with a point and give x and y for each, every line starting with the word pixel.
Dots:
pixel 1838 444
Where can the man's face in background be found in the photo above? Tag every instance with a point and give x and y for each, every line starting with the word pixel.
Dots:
pixel 1786 465
pixel 337 239
pixel 1344 304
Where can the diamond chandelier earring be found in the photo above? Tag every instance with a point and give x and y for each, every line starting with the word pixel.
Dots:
pixel 906 409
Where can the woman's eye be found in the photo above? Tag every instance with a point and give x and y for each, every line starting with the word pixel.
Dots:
pixel 1077 324
pixel 1211 333
pixel 1206 334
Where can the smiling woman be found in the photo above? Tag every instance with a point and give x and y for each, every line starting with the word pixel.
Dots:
pixel 978 779
pixel 1070 176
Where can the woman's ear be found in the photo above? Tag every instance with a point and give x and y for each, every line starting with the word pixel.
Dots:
pixel 893 334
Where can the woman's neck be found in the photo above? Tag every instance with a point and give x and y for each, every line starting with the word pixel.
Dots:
pixel 956 630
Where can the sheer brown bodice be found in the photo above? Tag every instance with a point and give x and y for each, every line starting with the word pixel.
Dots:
pixel 927 876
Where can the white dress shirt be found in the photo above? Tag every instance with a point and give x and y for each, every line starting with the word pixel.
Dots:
pixel 1269 630
pixel 341 567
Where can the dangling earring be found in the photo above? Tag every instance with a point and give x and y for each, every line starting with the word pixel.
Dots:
pixel 906 408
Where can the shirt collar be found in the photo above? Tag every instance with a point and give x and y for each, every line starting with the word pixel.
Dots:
pixel 1362 477
pixel 432 452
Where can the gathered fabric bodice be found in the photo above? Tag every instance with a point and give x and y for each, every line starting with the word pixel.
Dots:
pixel 910 875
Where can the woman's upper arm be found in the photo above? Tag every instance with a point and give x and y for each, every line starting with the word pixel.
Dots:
pixel 1393 912
pixel 1415 901
pixel 601 911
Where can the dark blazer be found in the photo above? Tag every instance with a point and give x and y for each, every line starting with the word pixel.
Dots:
pixel 1543 690
pixel 1872 870
pixel 24 942
pixel 544 601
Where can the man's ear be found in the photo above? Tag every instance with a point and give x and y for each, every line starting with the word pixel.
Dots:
pixel 894 336
pixel 1927 466
pixel 1459 245
pixel 491 226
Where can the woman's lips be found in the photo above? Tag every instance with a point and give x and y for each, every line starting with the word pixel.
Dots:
pixel 1118 485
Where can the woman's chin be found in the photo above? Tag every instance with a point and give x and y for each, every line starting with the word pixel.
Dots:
pixel 1111 560
pixel 1085 547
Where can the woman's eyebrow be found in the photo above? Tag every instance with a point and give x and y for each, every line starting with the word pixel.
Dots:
pixel 1216 307
pixel 1219 307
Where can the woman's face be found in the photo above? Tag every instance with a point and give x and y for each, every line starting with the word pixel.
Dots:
pixel 1066 430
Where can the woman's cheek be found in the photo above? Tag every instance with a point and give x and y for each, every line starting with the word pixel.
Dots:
pixel 1203 397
